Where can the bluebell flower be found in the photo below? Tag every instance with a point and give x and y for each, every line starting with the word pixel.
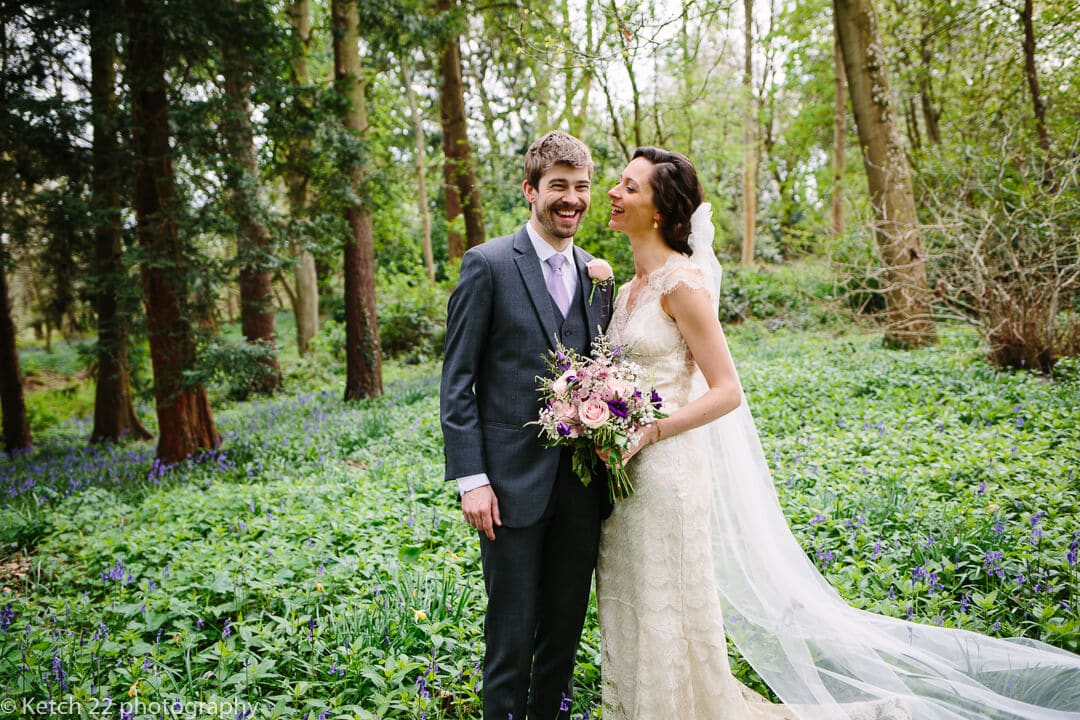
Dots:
pixel 6 616
pixel 876 551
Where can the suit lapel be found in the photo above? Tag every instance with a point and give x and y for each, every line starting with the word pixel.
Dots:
pixel 592 309
pixel 533 277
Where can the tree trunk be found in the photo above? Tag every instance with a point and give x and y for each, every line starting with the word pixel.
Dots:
pixel 462 191
pixel 749 181
pixel 839 138
pixel 253 250
pixel 911 119
pixel 114 411
pixel 12 401
pixel 185 422
pixel 306 297
pixel 419 166
pixel 363 358
pixel 931 114
pixel 1031 73
pixel 908 316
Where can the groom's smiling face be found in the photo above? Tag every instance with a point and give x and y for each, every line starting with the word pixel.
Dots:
pixel 560 203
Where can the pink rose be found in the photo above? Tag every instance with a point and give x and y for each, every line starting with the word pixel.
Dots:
pixel 600 270
pixel 594 412
pixel 565 412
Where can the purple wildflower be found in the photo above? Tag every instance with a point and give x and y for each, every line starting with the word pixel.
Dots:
pixel 7 615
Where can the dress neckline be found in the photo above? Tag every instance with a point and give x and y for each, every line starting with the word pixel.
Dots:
pixel 651 282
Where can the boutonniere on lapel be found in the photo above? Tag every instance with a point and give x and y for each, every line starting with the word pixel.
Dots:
pixel 601 274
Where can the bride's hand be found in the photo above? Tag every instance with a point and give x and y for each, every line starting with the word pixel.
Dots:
pixel 647 436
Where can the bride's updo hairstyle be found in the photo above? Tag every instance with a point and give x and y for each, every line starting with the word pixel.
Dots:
pixel 677 192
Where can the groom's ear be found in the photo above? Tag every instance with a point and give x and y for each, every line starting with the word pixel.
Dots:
pixel 529 191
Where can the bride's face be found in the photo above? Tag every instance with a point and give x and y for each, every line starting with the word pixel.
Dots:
pixel 632 208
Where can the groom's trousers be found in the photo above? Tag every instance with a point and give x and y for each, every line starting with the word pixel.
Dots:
pixel 538 580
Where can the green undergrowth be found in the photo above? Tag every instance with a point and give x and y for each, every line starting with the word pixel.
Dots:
pixel 316 564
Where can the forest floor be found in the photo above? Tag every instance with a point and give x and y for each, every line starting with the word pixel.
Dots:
pixel 316 563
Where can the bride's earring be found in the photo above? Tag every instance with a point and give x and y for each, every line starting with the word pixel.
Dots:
pixel 655 226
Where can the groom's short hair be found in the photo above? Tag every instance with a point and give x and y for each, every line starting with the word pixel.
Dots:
pixel 555 148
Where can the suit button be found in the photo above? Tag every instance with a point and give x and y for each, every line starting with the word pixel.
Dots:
pixel 568 333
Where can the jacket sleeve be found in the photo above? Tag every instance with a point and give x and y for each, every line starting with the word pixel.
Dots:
pixel 468 319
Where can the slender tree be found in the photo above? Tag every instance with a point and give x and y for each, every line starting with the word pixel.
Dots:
pixel 462 191
pixel 363 358
pixel 896 228
pixel 305 297
pixel 419 165
pixel 185 422
pixel 839 137
pixel 114 411
pixel 254 251
pixel 1031 74
pixel 750 150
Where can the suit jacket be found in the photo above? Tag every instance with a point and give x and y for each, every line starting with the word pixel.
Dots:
pixel 500 327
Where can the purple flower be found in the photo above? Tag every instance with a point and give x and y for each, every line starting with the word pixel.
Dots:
pixel 6 616
pixel 656 400
pixel 226 631
pixel 618 408
pixel 564 704
pixel 563 429
pixel 58 671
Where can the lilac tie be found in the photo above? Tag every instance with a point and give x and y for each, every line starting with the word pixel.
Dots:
pixel 555 284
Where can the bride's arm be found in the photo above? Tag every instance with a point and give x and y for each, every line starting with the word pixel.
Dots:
pixel 695 314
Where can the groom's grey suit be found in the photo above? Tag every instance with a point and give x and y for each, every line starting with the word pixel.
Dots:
pixel 501 324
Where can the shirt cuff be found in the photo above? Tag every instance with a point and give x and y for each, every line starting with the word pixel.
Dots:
pixel 471 482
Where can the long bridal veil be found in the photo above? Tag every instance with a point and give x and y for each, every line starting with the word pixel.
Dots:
pixel 824 658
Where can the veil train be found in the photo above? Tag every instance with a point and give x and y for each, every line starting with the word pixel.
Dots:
pixel 823 657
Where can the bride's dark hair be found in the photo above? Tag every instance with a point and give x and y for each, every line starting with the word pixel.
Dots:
pixel 677 192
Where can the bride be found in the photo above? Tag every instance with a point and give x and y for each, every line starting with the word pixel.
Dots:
pixel 703 538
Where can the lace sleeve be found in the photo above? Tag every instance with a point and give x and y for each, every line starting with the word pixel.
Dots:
pixel 681 271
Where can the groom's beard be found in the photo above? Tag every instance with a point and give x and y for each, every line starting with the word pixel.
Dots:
pixel 555 226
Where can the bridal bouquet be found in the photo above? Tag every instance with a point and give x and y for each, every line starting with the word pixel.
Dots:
pixel 596 402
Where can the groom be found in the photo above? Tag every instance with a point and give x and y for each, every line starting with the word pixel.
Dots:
pixel 539 527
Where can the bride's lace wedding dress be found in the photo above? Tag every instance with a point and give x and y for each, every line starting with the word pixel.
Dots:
pixel 703 536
